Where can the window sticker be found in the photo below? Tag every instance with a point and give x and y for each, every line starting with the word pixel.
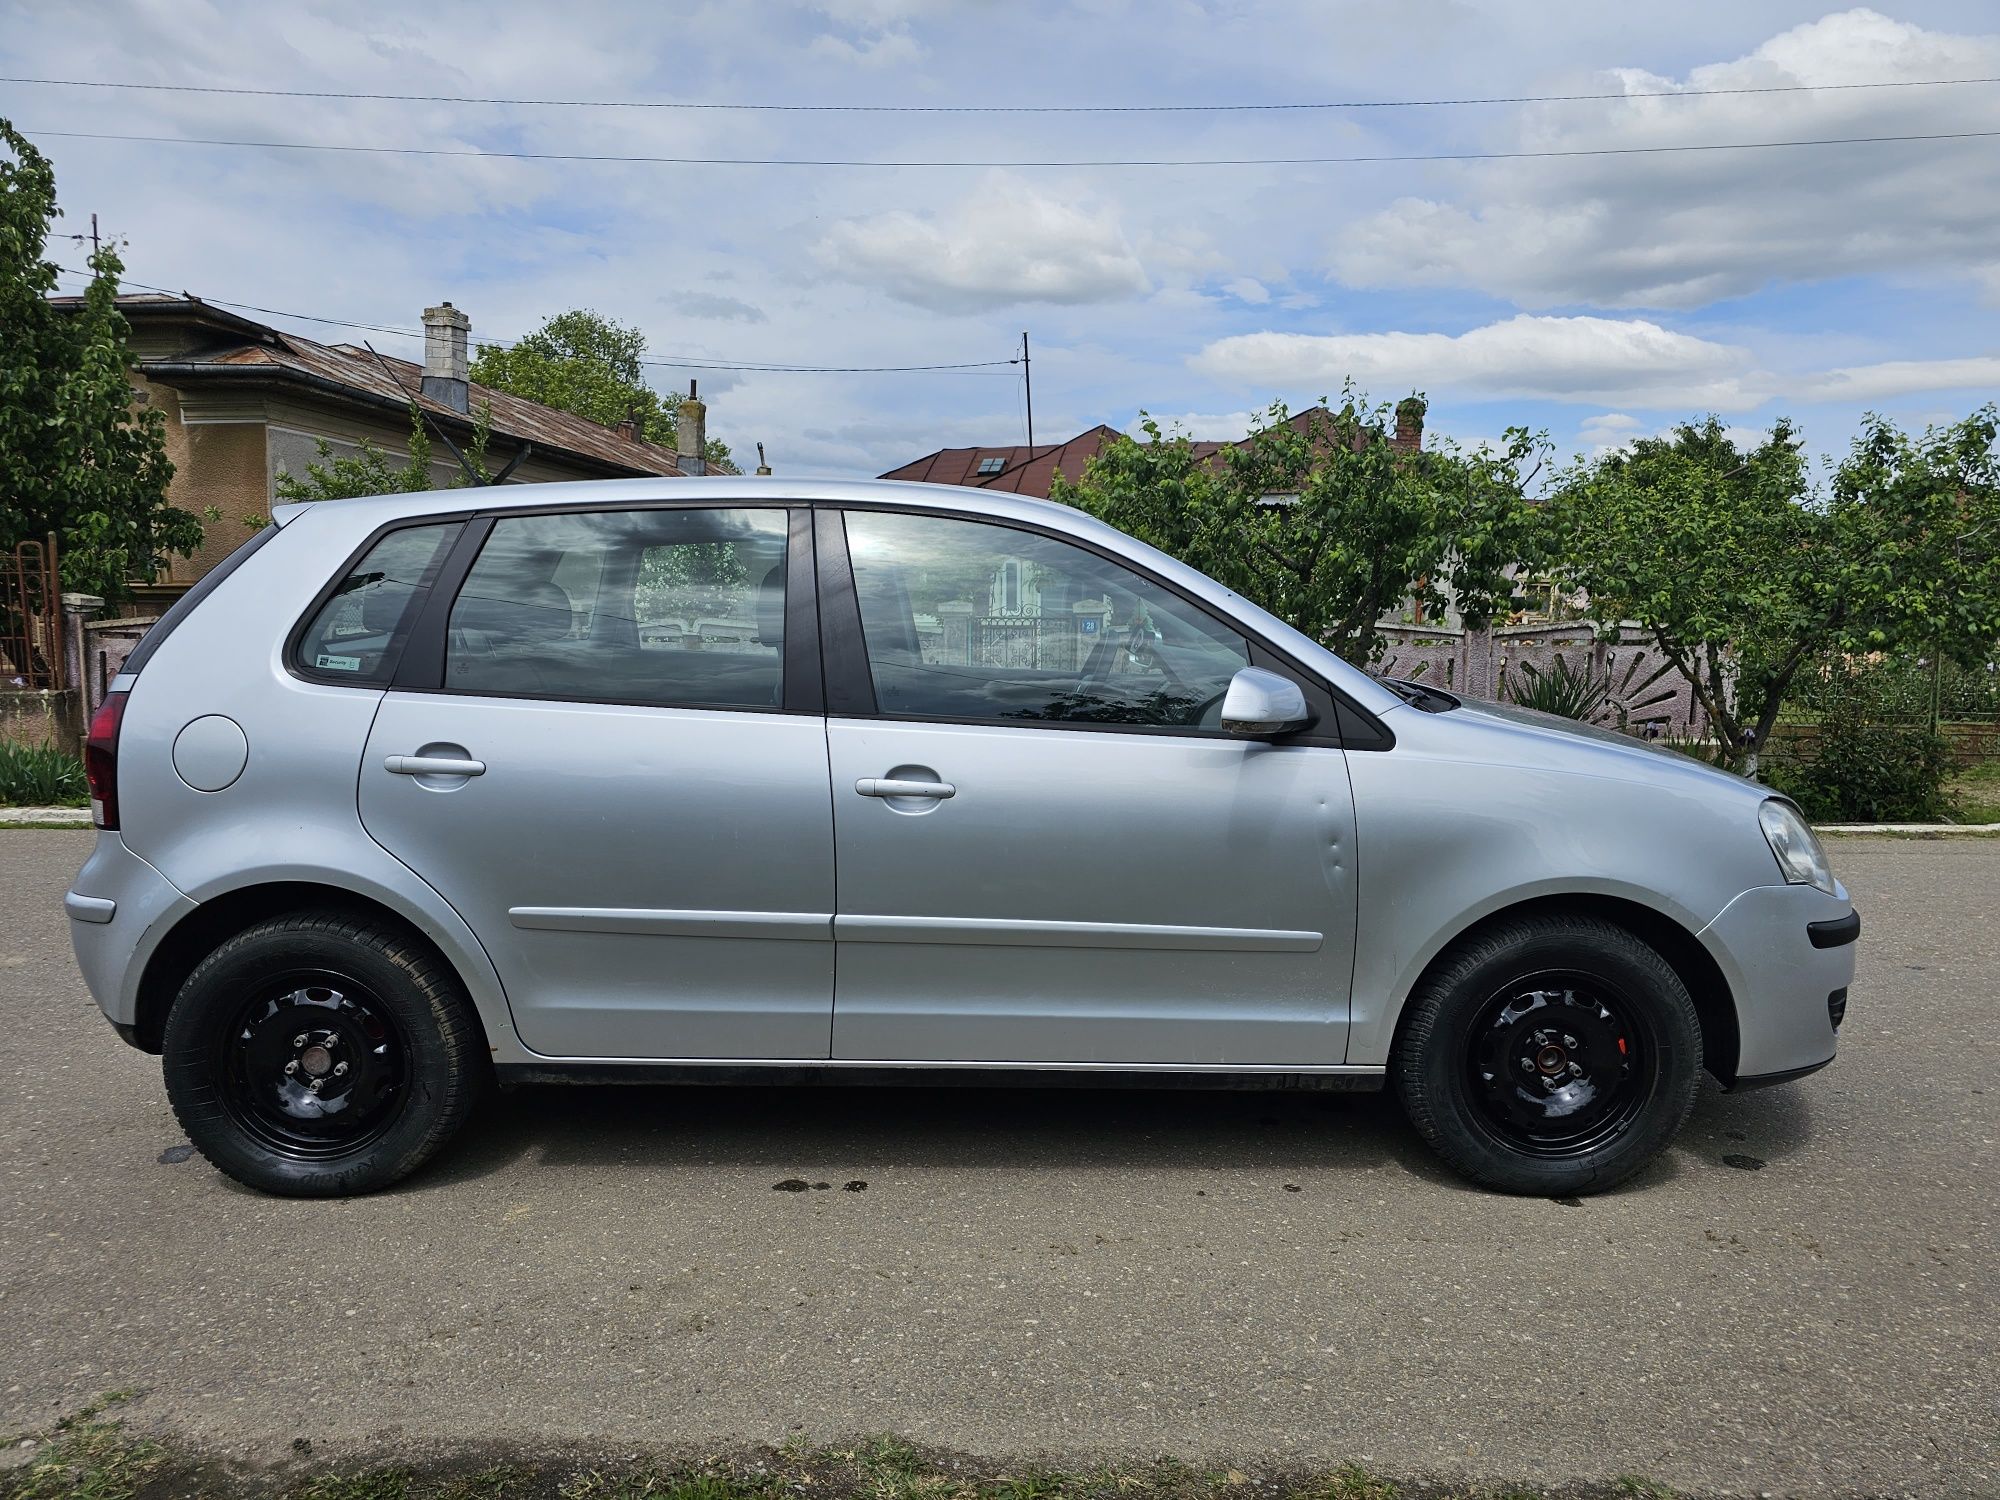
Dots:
pixel 329 663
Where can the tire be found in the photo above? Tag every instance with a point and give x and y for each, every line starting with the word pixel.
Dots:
pixel 1551 1055
pixel 378 1023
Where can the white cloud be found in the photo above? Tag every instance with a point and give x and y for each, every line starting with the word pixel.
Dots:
pixel 713 307
pixel 1006 242
pixel 1597 360
pixel 1610 424
pixel 1905 377
pixel 886 49
pixel 1681 229
pixel 1248 289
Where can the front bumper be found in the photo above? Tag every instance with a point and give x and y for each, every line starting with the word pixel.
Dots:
pixel 1788 954
pixel 119 908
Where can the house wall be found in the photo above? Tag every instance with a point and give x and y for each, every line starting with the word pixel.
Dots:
pixel 215 464
pixel 228 449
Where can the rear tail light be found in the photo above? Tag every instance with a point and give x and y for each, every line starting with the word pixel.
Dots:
pixel 100 760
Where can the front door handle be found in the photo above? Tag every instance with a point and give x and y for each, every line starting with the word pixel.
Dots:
pixel 888 786
pixel 433 765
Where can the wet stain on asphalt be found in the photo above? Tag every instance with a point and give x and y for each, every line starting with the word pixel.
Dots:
pixel 856 1186
pixel 791 1185
pixel 1293 1187
pixel 1567 1202
pixel 1744 1163
pixel 175 1154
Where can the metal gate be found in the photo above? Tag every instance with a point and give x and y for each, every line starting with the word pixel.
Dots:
pixel 31 623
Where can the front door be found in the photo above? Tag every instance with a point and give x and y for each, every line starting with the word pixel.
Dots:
pixel 1048 850
pixel 611 786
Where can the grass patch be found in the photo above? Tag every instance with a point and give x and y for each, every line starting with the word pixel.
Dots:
pixel 86 1456
pixel 94 1456
pixel 41 776
pixel 1975 793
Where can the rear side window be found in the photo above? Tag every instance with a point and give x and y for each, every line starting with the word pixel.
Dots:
pixel 359 631
pixel 668 608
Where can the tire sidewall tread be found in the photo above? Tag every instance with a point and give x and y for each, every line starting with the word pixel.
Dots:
pixel 445 1060
pixel 1428 1073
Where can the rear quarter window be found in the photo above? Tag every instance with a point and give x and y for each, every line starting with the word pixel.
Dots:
pixel 358 631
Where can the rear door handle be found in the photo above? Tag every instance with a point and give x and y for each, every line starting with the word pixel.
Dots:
pixel 885 786
pixel 433 765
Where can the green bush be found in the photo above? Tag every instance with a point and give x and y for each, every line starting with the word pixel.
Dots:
pixel 41 776
pixel 1868 773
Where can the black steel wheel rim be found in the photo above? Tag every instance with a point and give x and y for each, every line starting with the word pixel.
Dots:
pixel 1558 1064
pixel 313 1066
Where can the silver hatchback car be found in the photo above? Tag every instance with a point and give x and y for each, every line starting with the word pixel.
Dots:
pixel 738 778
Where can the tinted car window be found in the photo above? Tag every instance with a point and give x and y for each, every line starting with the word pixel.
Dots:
pixel 359 631
pixel 667 607
pixel 965 620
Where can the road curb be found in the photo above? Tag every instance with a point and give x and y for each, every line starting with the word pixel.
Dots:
pixel 1912 830
pixel 44 817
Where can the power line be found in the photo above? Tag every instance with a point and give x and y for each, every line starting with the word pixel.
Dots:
pixel 1150 161
pixel 691 363
pixel 1000 109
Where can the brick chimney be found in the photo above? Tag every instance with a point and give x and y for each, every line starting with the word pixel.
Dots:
pixel 1409 424
pixel 445 366
pixel 693 446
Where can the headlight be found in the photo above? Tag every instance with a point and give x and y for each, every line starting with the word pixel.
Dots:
pixel 1795 845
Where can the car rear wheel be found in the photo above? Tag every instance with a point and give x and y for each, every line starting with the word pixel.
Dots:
pixel 1551 1055
pixel 317 1055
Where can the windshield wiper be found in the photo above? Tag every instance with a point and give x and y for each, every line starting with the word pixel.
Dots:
pixel 1429 699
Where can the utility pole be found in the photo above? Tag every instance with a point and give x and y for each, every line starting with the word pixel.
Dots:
pixel 1028 386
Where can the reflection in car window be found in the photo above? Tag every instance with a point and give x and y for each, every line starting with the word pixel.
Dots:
pixel 358 632
pixel 965 620
pixel 668 607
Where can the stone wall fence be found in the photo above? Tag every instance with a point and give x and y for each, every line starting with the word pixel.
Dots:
pixel 1647 696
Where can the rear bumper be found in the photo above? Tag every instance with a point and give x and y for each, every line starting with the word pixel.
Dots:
pixel 1787 952
pixel 119 908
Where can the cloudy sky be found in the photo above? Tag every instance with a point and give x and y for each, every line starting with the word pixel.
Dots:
pixel 1598 296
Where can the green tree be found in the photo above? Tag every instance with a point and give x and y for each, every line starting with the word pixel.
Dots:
pixel 372 472
pixel 583 362
pixel 1325 522
pixel 78 457
pixel 1745 573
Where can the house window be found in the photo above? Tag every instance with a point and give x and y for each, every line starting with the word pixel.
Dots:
pixel 992 465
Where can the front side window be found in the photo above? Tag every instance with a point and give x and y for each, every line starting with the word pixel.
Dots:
pixel 359 631
pixel 664 607
pixel 966 620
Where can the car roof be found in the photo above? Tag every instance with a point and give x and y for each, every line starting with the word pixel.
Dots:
pixel 728 488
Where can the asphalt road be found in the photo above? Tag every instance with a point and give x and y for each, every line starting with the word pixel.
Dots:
pixel 1265 1279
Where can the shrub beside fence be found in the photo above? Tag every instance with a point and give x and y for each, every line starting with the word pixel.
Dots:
pixel 1875 739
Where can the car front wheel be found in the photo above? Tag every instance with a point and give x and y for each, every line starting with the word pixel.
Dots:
pixel 1552 1055
pixel 317 1055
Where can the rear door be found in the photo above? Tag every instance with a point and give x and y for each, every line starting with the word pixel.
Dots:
pixel 607 752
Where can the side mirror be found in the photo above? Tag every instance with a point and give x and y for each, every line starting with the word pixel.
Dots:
pixel 1262 703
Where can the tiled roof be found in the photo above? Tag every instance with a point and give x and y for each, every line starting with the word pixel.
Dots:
pixel 1031 471
pixel 238 348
